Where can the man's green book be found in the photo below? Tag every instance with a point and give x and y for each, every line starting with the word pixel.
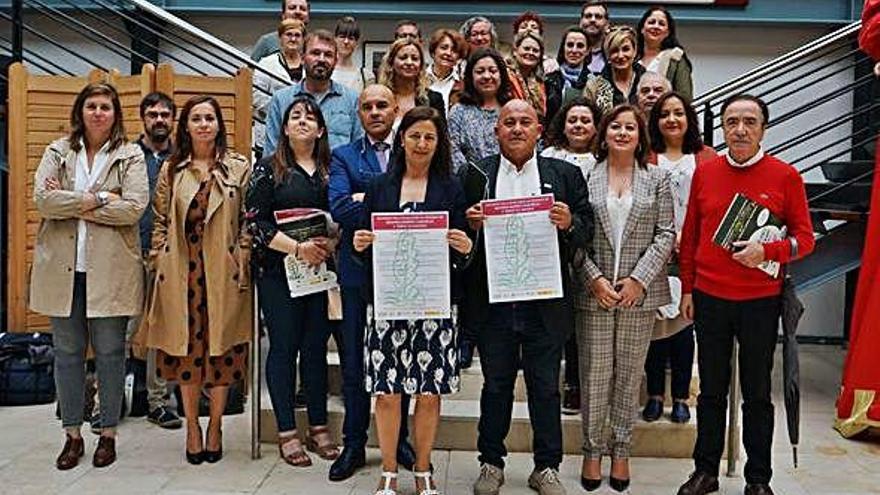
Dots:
pixel 746 220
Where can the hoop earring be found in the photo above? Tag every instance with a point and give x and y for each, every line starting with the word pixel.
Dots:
pixel 603 145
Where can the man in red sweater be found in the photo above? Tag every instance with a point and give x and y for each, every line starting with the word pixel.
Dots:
pixel 729 297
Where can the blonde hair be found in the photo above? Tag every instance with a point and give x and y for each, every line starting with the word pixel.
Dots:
pixel 386 69
pixel 288 24
pixel 616 37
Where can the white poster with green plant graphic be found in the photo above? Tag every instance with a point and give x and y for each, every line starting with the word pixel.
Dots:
pixel 522 251
pixel 411 266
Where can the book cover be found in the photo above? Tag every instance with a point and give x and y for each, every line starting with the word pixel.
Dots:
pixel 302 224
pixel 746 220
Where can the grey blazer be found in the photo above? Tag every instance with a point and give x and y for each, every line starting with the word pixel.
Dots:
pixel 648 238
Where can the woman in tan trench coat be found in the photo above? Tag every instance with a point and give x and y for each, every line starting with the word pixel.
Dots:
pixel 200 312
pixel 90 189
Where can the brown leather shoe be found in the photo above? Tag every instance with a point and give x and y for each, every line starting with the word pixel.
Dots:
pixel 699 484
pixel 74 448
pixel 105 454
pixel 758 489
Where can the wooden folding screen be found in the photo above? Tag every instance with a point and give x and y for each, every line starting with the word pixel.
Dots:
pixel 39 113
pixel 232 93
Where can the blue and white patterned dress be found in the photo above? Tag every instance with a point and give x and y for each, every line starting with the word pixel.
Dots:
pixel 411 356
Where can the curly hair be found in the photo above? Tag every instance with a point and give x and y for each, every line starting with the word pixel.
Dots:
pixel 386 69
pixel 556 130
pixel 529 15
pixel 469 95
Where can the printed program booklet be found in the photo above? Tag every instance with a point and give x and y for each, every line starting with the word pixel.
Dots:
pixel 746 220
pixel 302 224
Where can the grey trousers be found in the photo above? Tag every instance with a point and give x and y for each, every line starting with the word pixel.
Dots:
pixel 71 337
pixel 157 387
pixel 613 346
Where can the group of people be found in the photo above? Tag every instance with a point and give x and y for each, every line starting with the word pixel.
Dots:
pixel 607 128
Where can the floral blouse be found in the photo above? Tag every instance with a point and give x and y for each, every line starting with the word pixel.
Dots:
pixel 472 134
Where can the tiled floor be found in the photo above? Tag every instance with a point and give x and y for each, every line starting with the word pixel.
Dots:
pixel 151 459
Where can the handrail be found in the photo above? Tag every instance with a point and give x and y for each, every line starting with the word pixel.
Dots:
pixel 194 31
pixel 777 63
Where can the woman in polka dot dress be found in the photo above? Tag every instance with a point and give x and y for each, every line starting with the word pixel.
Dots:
pixel 200 313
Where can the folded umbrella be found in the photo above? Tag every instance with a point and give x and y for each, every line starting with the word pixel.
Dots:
pixel 792 310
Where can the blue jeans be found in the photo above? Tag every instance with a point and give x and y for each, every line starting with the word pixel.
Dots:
pixel 514 337
pixel 357 400
pixel 297 328
pixel 71 337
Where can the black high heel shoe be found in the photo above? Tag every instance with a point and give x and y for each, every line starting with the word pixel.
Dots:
pixel 195 459
pixel 591 485
pixel 618 484
pixel 212 456
pixel 198 457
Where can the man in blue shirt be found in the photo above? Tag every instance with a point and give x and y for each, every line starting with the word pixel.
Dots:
pixel 157 113
pixel 338 103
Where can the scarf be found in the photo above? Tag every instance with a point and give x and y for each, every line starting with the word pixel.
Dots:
pixel 570 74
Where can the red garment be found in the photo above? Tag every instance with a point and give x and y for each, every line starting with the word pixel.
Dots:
pixel 712 269
pixel 858 406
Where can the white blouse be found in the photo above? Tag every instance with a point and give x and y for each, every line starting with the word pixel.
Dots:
pixel 584 161
pixel 618 212
pixel 681 172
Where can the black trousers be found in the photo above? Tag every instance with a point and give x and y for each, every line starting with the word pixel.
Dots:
pixel 755 325
pixel 514 337
pixel 678 352
pixel 572 369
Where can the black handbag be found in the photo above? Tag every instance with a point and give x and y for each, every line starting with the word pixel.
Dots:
pixel 27 363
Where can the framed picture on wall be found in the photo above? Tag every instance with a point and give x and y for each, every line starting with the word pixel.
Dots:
pixel 373 51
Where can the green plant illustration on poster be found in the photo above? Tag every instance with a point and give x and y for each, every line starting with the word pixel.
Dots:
pixel 406 265
pixel 516 254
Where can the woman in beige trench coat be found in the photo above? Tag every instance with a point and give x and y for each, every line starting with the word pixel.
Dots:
pixel 90 189
pixel 200 312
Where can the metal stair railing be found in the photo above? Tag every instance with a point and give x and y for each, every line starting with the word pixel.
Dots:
pixel 816 95
pixel 104 25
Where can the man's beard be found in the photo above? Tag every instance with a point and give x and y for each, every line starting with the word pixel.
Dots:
pixel 159 134
pixel 323 74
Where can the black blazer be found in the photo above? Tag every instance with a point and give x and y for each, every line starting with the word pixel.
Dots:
pixel 566 183
pixel 443 193
pixel 435 101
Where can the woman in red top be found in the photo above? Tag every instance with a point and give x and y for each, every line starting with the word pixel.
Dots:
pixel 678 148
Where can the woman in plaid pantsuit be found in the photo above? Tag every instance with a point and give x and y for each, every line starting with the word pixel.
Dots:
pixel 625 272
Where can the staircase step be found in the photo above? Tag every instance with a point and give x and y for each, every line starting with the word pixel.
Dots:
pixel 458 429
pixel 472 382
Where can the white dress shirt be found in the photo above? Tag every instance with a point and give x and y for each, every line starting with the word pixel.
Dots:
pixel 748 163
pixel 513 183
pixel 84 181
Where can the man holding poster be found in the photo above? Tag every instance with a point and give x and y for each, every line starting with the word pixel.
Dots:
pixel 530 332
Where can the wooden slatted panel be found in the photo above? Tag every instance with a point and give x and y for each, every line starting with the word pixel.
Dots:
pixel 233 95
pixel 39 113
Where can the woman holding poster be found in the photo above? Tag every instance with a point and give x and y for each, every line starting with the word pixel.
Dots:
pixel 295 176
pixel 413 356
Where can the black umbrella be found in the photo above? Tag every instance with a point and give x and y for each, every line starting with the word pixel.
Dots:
pixel 792 309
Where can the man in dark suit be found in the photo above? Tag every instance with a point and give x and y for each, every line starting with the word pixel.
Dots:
pixel 527 334
pixel 352 166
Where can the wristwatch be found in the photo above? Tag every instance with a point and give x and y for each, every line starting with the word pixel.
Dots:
pixel 103 197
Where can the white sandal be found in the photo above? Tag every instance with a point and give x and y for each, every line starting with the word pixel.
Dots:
pixel 387 490
pixel 428 478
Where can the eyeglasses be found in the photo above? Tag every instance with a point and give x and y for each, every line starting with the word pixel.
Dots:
pixel 592 15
